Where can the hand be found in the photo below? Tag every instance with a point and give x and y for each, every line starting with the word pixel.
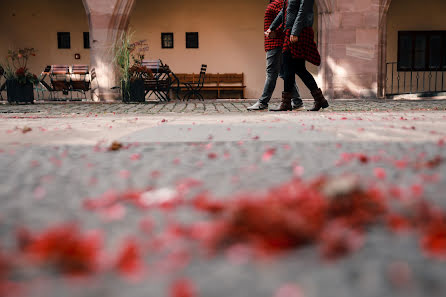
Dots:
pixel 267 33
pixel 273 34
pixel 294 39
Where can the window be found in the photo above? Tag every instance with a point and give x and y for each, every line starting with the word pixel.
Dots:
pixel 192 40
pixel 167 40
pixel 421 50
pixel 86 39
pixel 63 40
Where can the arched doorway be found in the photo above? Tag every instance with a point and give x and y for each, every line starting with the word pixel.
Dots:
pixel 41 25
pixel 230 36
pixel 412 48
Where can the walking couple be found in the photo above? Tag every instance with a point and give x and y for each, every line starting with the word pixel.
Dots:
pixel 289 43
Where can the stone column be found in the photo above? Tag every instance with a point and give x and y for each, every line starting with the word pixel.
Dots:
pixel 325 73
pixel 107 19
pixel 352 57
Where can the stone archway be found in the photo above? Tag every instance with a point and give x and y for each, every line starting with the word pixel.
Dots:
pixel 382 47
pixel 107 20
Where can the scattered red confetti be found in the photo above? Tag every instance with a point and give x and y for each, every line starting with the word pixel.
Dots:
pixel 339 240
pixel 380 173
pixel 183 288
pixel 289 290
pixel 212 156
pixel 129 262
pixel 124 174
pixel 135 157
pixel 65 249
pixel 398 223
pixel 363 158
pixel 400 274
pixel 268 154
pixel 433 240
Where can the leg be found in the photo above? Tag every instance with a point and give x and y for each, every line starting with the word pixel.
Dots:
pixel 289 72
pixel 289 81
pixel 273 64
pixel 304 75
pixel 307 78
pixel 297 99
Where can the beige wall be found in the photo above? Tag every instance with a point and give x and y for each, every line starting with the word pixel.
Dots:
pixel 30 23
pixel 230 33
pixel 408 15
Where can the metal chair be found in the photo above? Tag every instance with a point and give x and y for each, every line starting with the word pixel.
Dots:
pixel 194 88
pixel 160 84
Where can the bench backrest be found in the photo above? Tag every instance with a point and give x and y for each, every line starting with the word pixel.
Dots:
pixel 79 69
pixel 60 69
pixel 152 64
pixel 213 78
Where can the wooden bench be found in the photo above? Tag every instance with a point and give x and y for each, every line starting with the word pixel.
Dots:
pixel 217 82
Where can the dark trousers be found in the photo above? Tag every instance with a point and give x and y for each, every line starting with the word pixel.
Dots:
pixel 296 66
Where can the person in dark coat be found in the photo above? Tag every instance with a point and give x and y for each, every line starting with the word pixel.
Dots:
pixel 273 49
pixel 296 20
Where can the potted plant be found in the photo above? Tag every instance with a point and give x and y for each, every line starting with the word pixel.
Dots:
pixel 19 80
pixel 128 58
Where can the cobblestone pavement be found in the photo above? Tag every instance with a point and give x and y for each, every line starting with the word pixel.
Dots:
pixel 48 172
pixel 210 107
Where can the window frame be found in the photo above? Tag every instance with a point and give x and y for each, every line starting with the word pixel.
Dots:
pixel 427 35
pixel 59 40
pixel 187 40
pixel 163 45
pixel 86 36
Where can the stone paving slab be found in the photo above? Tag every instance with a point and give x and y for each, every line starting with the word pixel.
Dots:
pixel 48 172
pixel 211 106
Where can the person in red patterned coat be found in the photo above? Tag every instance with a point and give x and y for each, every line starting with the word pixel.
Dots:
pixel 296 21
pixel 273 48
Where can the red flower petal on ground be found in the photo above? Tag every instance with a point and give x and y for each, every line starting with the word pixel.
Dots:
pixel 289 290
pixel 66 249
pixel 363 158
pixel 5 267
pixel 129 262
pixel 398 223
pixel 380 173
pixel 433 240
pixel 135 157
pixel 183 288
pixel 400 274
pixel 268 154
pixel 212 156
pixel 339 240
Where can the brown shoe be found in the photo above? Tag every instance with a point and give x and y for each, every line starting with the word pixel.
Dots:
pixel 319 100
pixel 285 105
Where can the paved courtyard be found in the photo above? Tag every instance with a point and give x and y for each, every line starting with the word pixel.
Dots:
pixel 57 157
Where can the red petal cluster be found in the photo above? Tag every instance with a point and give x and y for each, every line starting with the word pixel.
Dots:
pixel 293 215
pixel 183 288
pixel 65 249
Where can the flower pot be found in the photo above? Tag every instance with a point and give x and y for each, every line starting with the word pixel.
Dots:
pixel 19 92
pixel 135 93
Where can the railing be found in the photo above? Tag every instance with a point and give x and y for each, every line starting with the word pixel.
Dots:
pixel 427 83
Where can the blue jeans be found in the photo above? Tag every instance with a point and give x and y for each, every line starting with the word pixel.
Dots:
pixel 274 69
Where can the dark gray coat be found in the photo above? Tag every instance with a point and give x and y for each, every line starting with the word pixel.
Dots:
pixel 299 15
